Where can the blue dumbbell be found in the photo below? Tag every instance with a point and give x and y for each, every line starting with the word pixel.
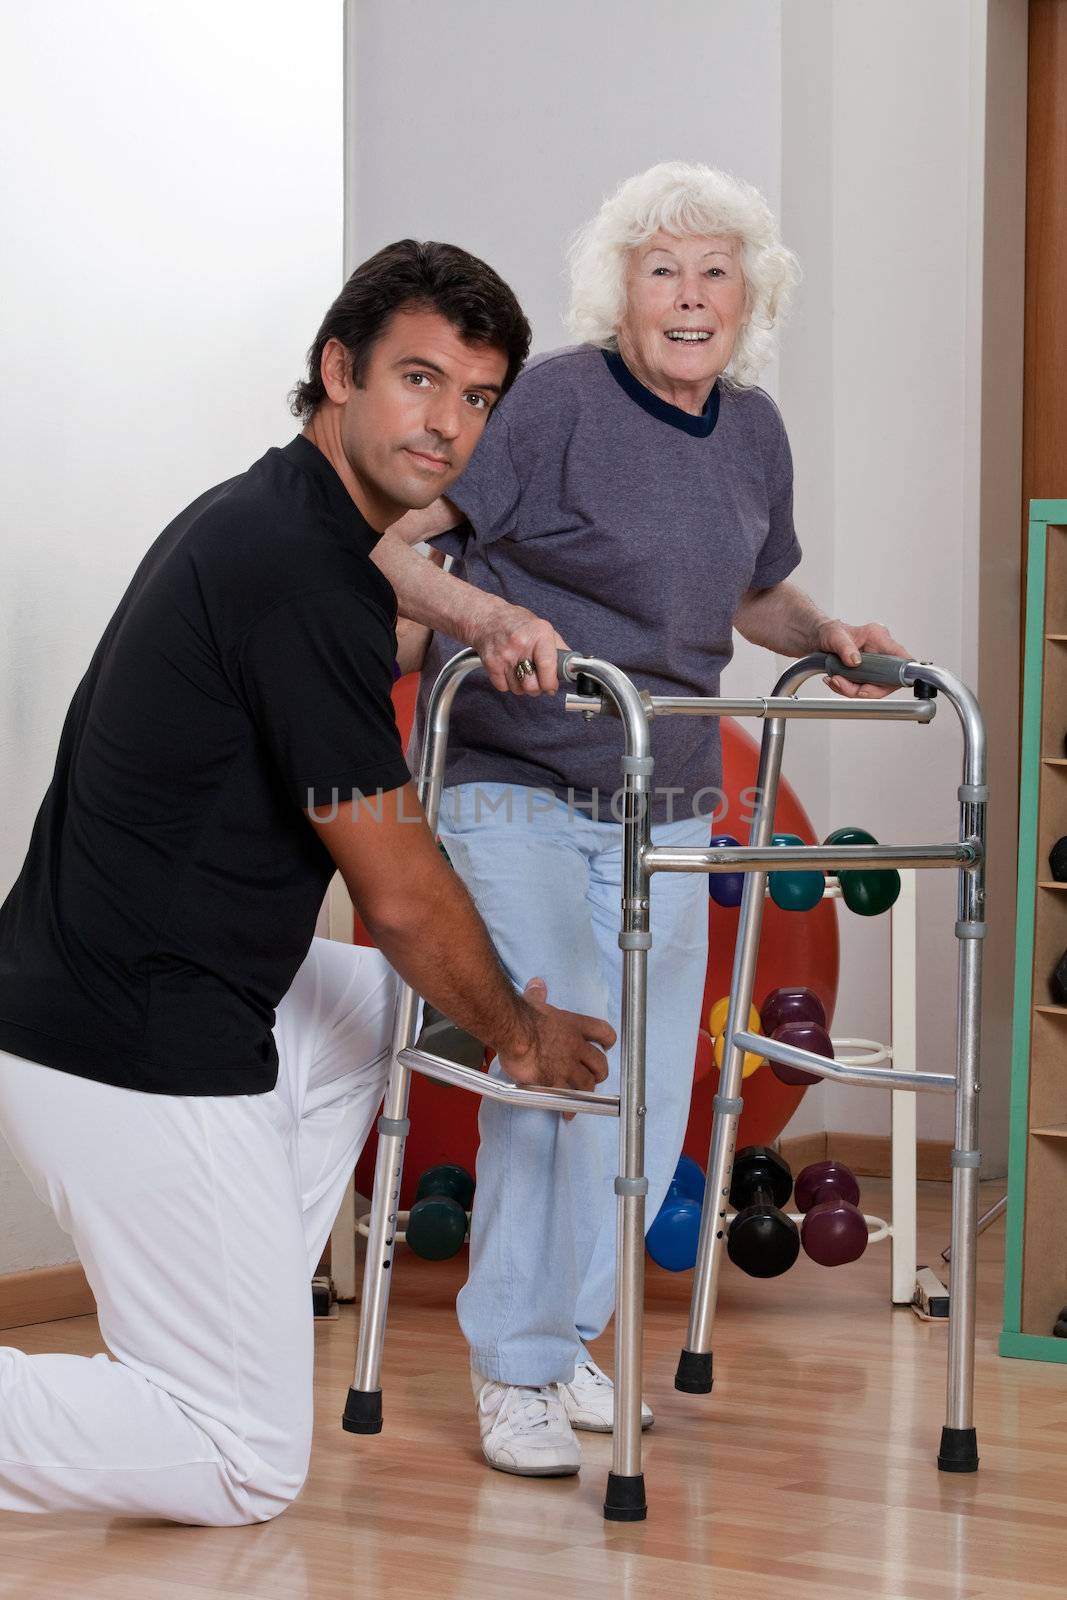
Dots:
pixel 672 1239
pixel 725 887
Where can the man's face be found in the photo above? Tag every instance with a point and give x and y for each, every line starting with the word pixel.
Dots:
pixel 410 429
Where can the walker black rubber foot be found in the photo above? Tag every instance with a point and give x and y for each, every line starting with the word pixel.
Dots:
pixel 363 1411
pixel 694 1373
pixel 959 1450
pixel 625 1499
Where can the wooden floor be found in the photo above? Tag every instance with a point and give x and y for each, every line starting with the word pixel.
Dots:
pixel 809 1475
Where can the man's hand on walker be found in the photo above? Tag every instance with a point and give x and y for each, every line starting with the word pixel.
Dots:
pixel 563 1053
pixel 504 635
pixel 847 641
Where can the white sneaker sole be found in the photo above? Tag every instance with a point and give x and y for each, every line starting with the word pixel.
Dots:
pixel 580 1425
pixel 567 1471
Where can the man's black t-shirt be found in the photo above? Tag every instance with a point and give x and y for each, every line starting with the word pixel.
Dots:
pixel 172 881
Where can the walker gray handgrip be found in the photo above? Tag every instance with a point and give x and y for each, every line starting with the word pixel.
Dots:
pixel 886 670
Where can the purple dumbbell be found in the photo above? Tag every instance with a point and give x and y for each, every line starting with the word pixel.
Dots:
pixel 834 1230
pixel 803 1036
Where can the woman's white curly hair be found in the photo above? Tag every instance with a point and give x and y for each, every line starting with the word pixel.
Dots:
pixel 687 200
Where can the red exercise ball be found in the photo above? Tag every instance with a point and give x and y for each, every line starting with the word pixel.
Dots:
pixel 795 949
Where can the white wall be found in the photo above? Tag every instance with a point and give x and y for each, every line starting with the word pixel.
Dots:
pixel 864 124
pixel 171 233
pixel 897 183
pixel 903 159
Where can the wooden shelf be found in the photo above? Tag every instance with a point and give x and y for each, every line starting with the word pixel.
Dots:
pixel 1036 1259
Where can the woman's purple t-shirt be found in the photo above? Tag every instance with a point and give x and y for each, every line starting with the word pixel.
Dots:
pixel 635 529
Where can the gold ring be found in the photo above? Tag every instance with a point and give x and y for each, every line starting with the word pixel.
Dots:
pixel 524 669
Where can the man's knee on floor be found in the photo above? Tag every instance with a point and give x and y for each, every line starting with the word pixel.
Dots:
pixel 263 1490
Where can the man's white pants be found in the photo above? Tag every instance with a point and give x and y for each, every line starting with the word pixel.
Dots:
pixel 199 1222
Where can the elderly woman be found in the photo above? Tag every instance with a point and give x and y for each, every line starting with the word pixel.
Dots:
pixel 634 490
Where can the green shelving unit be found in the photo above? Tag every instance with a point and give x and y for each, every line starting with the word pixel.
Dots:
pixel 1035 1283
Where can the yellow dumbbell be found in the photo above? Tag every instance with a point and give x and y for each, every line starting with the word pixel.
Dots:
pixel 717 1028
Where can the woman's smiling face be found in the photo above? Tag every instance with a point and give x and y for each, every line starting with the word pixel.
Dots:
pixel 685 305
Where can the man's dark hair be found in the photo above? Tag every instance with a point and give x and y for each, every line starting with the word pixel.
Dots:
pixel 415 276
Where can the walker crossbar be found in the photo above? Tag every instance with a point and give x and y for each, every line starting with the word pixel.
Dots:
pixel 614 692
pixel 683 705
pixel 827 858
pixel 541 1098
pixel 864 1077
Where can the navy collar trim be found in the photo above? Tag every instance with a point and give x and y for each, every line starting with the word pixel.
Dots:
pixel 700 427
pixel 310 459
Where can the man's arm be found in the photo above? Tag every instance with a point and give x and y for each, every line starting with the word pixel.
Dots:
pixel 786 620
pixel 502 634
pixel 425 924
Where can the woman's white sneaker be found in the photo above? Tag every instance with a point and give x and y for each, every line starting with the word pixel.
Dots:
pixel 589 1400
pixel 525 1430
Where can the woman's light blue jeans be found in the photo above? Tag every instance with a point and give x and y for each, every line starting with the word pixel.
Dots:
pixel 547 881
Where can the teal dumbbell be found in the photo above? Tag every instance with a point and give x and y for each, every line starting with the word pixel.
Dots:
pixel 437 1222
pixel 795 890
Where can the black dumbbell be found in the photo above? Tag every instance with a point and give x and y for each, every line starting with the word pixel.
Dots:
pixel 437 1222
pixel 1059 1328
pixel 440 1037
pixel 761 1240
pixel 1057 860
pixel 1057 982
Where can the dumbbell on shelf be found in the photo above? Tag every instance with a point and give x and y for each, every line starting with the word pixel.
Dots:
pixel 796 1016
pixel 725 888
pixel 1058 981
pixel 436 1226
pixel 834 1230
pixel 866 892
pixel 672 1239
pixel 762 1240
pixel 796 889
pixel 441 1037
pixel 717 1019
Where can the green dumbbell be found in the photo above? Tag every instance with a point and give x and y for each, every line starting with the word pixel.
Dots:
pixel 437 1222
pixel 868 893
pixel 795 890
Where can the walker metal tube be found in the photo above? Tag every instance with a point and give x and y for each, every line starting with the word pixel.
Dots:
pixel 827 858
pixel 363 1409
pixel 513 1094
pixel 959 1443
pixel 681 705
pixel 862 1077
pixel 625 1500
pixel 695 1364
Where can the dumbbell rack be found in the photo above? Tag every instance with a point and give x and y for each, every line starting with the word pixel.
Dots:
pixel 605 689
pixel 901 1051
